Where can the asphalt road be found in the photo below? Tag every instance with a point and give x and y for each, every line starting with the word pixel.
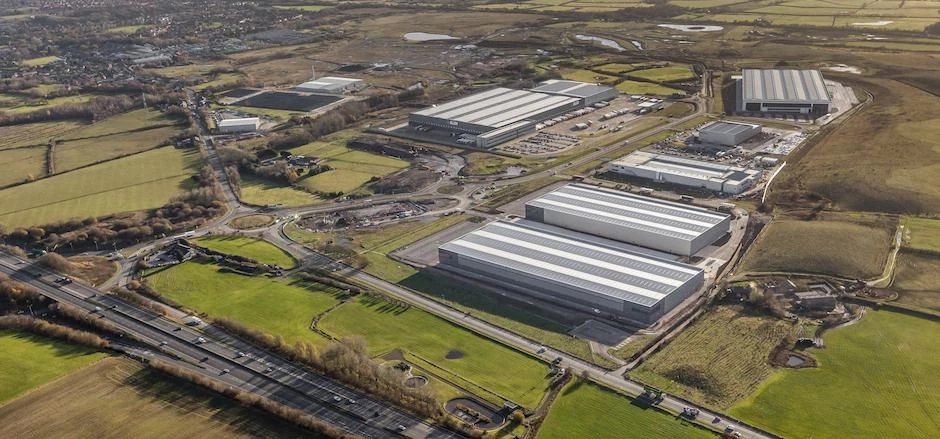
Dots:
pixel 232 361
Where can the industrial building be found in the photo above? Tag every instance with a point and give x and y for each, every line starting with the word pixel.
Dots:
pixel 686 172
pixel 495 116
pixel 727 133
pixel 239 125
pixel 595 274
pixel 589 94
pixel 331 85
pixel 783 91
pixel 649 222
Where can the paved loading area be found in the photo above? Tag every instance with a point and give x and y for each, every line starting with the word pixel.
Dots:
pixel 602 333
pixel 424 252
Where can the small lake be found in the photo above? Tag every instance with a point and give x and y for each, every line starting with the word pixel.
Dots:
pixel 604 41
pixel 424 36
pixel 692 27
pixel 794 361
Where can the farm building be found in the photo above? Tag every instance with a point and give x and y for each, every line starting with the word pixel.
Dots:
pixel 332 85
pixel 590 94
pixel 492 117
pixel 776 91
pixel 686 172
pixel 595 274
pixel 661 225
pixel 727 133
pixel 239 125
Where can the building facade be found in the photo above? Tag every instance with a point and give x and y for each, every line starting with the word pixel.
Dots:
pixel 783 91
pixel 686 172
pixel 728 133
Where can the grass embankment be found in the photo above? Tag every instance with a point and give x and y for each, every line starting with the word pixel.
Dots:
pixel 118 398
pixel 284 308
pixel 252 221
pixel 848 245
pixel 142 181
pixel 257 249
pixel 876 379
pixel 474 359
pixel 586 410
pixel 719 359
pixel 28 361
pixel 885 158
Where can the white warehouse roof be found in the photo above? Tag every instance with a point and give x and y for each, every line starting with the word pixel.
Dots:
pixel 779 85
pixel 329 83
pixel 731 128
pixel 582 262
pixel 696 169
pixel 498 107
pixel 631 211
pixel 238 122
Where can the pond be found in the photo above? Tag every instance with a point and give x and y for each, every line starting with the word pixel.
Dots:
pixel 692 27
pixel 604 41
pixel 424 36
pixel 794 361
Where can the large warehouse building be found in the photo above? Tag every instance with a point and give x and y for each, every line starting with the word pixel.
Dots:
pixel 492 117
pixel 686 172
pixel 589 94
pixel 660 225
pixel 727 133
pixel 780 91
pixel 571 268
pixel 237 125
pixel 331 85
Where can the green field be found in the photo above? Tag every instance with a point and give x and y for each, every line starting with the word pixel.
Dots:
pixel 37 62
pixel 253 248
pixel 617 68
pixel 21 164
pixel 645 88
pixel 28 361
pixel 119 398
pixel 129 29
pixel 222 80
pixel 853 246
pixel 41 104
pixel 917 280
pixel 352 168
pixel 143 181
pixel 921 234
pixel 39 133
pixel 719 359
pixel 74 154
pixel 586 410
pixel 130 121
pixel 666 74
pixel 876 379
pixel 484 363
pixel 262 192
pixel 875 160
pixel 306 8
pixel 278 307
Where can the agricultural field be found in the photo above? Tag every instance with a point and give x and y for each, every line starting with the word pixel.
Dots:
pixel 28 361
pixel 666 74
pixel 718 360
pixel 449 349
pixel 847 245
pixel 142 181
pixel 586 410
pixel 882 159
pixel 22 164
pixel 263 192
pixel 39 62
pixel 645 88
pixel 917 280
pixel 278 307
pixel 921 234
pixel 248 247
pixel 885 365
pixel 118 398
pixel 134 120
pixel 72 154
pixel 15 136
pixel 41 104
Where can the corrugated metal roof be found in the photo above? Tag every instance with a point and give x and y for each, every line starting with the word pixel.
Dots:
pixel 630 211
pixel 498 107
pixel 778 85
pixel 726 127
pixel 571 88
pixel 687 167
pixel 558 255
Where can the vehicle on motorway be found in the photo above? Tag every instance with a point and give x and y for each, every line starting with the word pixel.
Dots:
pixel 541 350
pixel 224 371
pixel 163 343
pixel 337 398
pixel 240 354
pixel 200 340
pixel 97 309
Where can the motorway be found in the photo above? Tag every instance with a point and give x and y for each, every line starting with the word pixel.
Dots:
pixel 232 361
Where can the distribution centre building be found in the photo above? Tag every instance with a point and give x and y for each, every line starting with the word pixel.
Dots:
pixel 595 274
pixel 649 222
pixel 783 91
pixel 331 85
pixel 589 94
pixel 727 133
pixel 686 172
pixel 501 114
